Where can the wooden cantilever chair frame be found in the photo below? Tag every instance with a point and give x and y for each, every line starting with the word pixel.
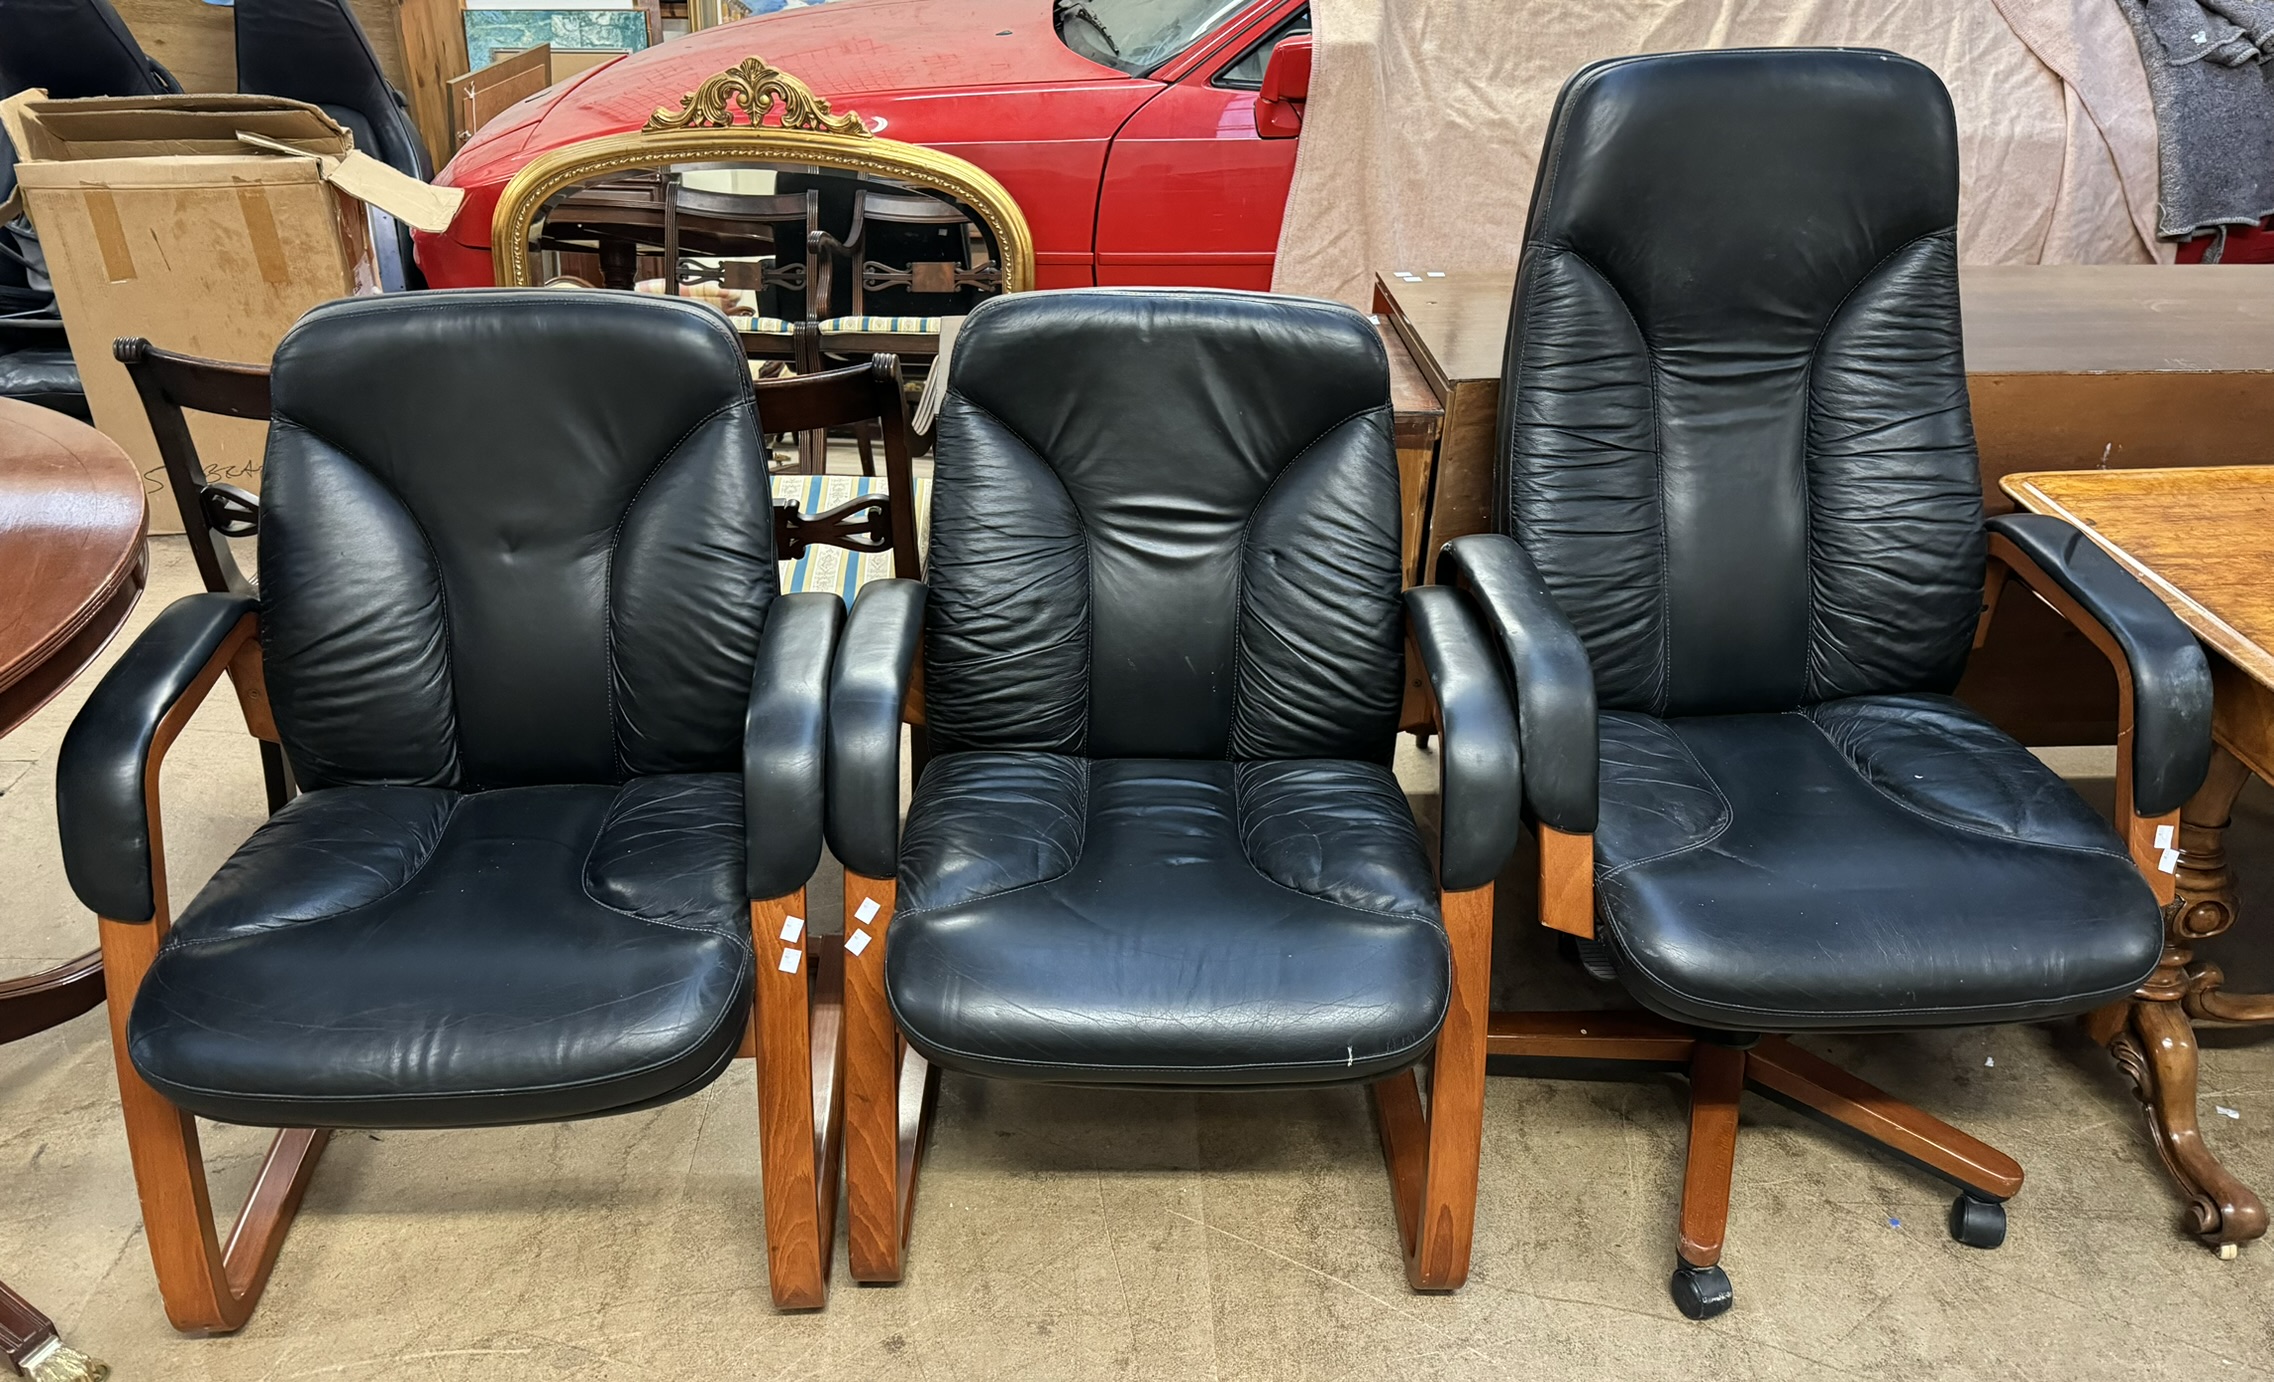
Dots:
pixel 1431 1124
pixel 1720 1071
pixel 210 1284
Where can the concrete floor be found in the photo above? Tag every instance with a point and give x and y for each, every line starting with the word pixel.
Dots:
pixel 1077 1234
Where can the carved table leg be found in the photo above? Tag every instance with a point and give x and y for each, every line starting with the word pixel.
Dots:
pixel 29 1343
pixel 2156 1044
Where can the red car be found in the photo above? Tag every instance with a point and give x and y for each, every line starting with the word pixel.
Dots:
pixel 1128 130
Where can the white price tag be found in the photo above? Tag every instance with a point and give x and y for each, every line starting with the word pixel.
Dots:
pixel 790 960
pixel 857 942
pixel 2163 836
pixel 866 912
pixel 2169 863
pixel 792 928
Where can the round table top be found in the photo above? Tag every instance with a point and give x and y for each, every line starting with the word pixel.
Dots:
pixel 72 557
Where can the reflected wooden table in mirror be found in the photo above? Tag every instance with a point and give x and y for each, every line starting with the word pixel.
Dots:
pixel 73 561
pixel 2202 538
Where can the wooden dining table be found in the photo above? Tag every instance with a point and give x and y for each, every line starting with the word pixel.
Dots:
pixel 2202 538
pixel 73 562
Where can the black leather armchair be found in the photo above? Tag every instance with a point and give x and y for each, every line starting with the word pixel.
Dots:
pixel 560 744
pixel 1747 565
pixel 1160 660
pixel 315 51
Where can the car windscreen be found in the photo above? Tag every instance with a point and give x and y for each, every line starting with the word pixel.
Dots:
pixel 1137 36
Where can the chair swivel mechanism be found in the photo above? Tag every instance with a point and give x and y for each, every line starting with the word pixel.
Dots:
pixel 1742 562
pixel 559 748
pixel 1157 842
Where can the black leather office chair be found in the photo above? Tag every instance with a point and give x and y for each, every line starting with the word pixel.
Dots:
pixel 315 51
pixel 68 48
pixel 1158 841
pixel 74 48
pixel 1747 565
pixel 560 749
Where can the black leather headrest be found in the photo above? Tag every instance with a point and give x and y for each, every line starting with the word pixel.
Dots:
pixel 74 48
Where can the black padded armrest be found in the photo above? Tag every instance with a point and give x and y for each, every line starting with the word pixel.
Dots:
pixel 1481 808
pixel 1555 681
pixel 101 775
pixel 784 743
pixel 875 666
pixel 2171 680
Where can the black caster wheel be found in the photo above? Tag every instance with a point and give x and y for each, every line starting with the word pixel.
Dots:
pixel 1976 1222
pixel 1700 1292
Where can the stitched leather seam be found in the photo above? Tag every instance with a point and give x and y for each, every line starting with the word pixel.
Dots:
pixel 736 931
pixel 1866 1015
pixel 725 1014
pixel 434 561
pixel 1812 686
pixel 1406 1054
pixel 608 577
pixel 1808 714
pixel 1089 584
pixel 177 940
pixel 1081 844
pixel 1240 567
pixel 1240 774
pixel 1665 693
pixel 1719 828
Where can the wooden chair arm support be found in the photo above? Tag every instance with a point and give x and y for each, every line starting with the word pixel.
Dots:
pixel 2150 838
pixel 107 773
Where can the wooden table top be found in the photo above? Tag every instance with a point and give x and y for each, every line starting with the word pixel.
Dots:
pixel 2019 319
pixel 2202 537
pixel 72 522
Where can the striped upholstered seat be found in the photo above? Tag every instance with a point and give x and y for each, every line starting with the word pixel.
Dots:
pixel 833 568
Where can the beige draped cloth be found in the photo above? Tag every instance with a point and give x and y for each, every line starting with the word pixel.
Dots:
pixel 1425 118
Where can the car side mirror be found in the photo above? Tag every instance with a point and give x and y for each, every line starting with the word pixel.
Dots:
pixel 1286 86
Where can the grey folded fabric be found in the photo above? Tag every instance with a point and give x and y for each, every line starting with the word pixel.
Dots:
pixel 2214 100
pixel 2254 17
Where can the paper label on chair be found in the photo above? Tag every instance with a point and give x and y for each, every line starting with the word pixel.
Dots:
pixel 2169 863
pixel 856 942
pixel 790 960
pixel 866 912
pixel 2163 836
pixel 792 928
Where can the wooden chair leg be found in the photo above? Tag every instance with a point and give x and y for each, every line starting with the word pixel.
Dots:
pixel 799 1029
pixel 1433 1155
pixel 1817 1085
pixel 207 1286
pixel 1717 1078
pixel 889 1094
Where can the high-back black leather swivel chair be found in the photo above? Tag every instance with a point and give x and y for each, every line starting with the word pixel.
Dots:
pixel 560 749
pixel 315 51
pixel 1158 841
pixel 1747 562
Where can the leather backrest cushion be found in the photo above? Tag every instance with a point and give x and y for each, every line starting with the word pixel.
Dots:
pixel 512 537
pixel 1734 428
pixel 1165 524
pixel 71 49
pixel 316 51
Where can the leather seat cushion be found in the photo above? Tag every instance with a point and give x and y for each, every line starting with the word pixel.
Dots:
pixel 44 375
pixel 1158 921
pixel 1874 862
pixel 405 957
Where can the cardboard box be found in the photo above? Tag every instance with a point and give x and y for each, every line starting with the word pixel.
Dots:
pixel 208 224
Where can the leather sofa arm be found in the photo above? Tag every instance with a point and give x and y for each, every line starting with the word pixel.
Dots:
pixel 876 666
pixel 2168 680
pixel 784 743
pixel 106 778
pixel 1555 680
pixel 1481 782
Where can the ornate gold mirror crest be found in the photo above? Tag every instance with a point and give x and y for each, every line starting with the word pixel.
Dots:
pixel 756 87
pixel 703 131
